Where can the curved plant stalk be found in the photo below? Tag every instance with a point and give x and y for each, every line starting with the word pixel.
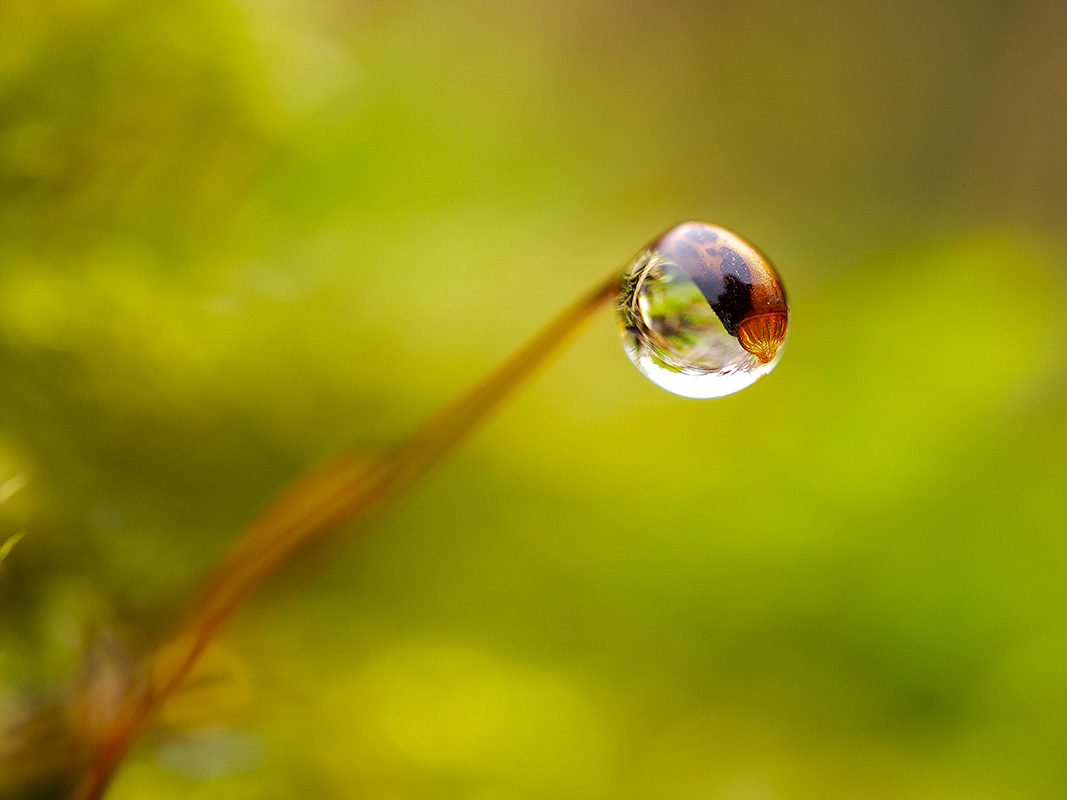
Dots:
pixel 341 490
pixel 10 542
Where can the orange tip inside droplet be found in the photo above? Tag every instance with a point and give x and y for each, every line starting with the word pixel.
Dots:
pixel 762 335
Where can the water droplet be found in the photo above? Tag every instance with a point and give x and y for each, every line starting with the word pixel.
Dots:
pixel 702 312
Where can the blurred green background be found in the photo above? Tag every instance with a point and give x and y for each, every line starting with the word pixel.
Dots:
pixel 237 237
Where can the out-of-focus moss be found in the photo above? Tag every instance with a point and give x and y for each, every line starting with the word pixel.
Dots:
pixel 236 237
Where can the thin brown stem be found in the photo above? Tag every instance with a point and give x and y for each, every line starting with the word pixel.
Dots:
pixel 338 491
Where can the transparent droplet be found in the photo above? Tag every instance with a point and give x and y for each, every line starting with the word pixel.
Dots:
pixel 702 312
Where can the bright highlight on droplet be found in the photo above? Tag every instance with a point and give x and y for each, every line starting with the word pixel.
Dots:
pixel 702 312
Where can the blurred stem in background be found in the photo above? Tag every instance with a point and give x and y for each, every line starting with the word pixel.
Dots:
pixel 235 238
pixel 340 490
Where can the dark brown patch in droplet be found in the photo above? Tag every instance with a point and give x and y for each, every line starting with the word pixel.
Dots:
pixel 720 272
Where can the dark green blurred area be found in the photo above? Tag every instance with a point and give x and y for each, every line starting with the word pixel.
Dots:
pixel 238 237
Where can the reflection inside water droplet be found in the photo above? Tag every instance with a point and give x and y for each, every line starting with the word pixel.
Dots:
pixel 702 312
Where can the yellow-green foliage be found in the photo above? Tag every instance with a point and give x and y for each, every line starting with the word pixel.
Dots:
pixel 236 237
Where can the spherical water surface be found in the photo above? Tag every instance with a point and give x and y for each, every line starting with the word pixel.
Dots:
pixel 702 312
